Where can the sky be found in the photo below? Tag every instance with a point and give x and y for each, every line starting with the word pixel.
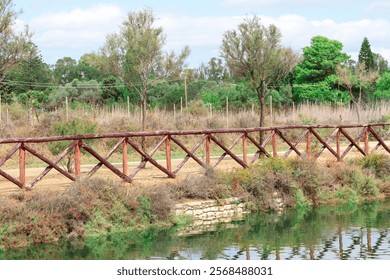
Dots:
pixel 76 27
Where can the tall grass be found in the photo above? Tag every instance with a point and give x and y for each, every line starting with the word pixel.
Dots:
pixel 18 122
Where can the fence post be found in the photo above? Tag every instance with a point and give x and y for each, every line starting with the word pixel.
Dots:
pixel 274 148
pixel 77 159
pixel 168 153
pixel 124 157
pixel 22 165
pixel 244 148
pixel 366 144
pixel 308 143
pixel 338 145
pixel 208 141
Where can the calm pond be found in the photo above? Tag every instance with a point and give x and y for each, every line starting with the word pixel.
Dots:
pixel 342 232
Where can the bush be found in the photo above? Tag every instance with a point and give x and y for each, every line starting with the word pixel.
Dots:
pixel 73 127
pixel 378 164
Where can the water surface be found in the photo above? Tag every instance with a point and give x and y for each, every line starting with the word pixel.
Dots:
pixel 337 232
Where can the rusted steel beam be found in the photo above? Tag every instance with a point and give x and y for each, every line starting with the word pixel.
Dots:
pixel 10 153
pixel 233 156
pixel 353 142
pixel 49 162
pixel 53 165
pixel 383 144
pixel 108 155
pixel 150 159
pixel 230 147
pixel 330 139
pixel 190 154
pixel 293 146
pixel 144 161
pixel 105 162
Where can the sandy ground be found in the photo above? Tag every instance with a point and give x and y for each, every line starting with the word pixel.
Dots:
pixel 150 175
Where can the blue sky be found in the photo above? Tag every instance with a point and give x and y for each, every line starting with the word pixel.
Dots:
pixel 73 28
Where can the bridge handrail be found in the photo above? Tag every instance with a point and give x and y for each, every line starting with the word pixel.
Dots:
pixel 176 132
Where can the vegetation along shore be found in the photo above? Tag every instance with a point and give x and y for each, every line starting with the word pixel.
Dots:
pixel 98 207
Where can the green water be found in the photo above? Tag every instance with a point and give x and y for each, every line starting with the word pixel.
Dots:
pixel 358 232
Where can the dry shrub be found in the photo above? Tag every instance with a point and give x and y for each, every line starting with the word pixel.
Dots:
pixel 311 177
pixel 270 176
pixel 205 186
pixel 162 202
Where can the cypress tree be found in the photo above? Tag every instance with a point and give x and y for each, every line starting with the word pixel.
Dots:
pixel 366 56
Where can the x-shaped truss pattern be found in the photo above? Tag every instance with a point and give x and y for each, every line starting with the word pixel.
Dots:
pixel 276 143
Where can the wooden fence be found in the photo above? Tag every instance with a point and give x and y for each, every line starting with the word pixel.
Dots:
pixel 307 141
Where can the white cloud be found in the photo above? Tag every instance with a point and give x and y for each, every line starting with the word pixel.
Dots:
pixel 78 27
pixel 380 6
pixel 79 31
pixel 297 32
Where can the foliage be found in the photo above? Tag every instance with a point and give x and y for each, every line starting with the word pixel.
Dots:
pixel 378 164
pixel 14 47
pixel 33 99
pixel 73 127
pixel 315 76
pixel 253 52
pixel 366 56
pixel 137 55
pixel 30 74
pixel 320 60
pixel 382 90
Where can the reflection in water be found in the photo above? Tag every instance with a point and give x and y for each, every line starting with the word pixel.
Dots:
pixel 324 233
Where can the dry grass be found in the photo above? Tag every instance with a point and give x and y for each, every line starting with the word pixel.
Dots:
pixel 19 123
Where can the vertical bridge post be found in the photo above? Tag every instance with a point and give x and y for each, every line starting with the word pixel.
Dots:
pixel 168 153
pixel 208 151
pixel 77 159
pixel 244 148
pixel 124 157
pixel 308 143
pixel 22 166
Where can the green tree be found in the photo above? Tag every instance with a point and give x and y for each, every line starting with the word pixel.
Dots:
pixel 320 60
pixel 366 56
pixel 315 76
pixel 14 47
pixel 214 70
pixel 254 52
pixel 136 55
pixel 30 74
pixel 381 64
pixel 33 99
pixel 65 70
pixel 72 127
pixel 382 90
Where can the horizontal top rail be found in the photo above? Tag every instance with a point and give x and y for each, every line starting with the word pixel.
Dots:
pixel 173 133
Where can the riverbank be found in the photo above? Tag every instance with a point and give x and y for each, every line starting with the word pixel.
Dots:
pixel 98 207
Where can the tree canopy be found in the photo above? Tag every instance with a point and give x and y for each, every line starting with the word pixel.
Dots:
pixel 254 52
